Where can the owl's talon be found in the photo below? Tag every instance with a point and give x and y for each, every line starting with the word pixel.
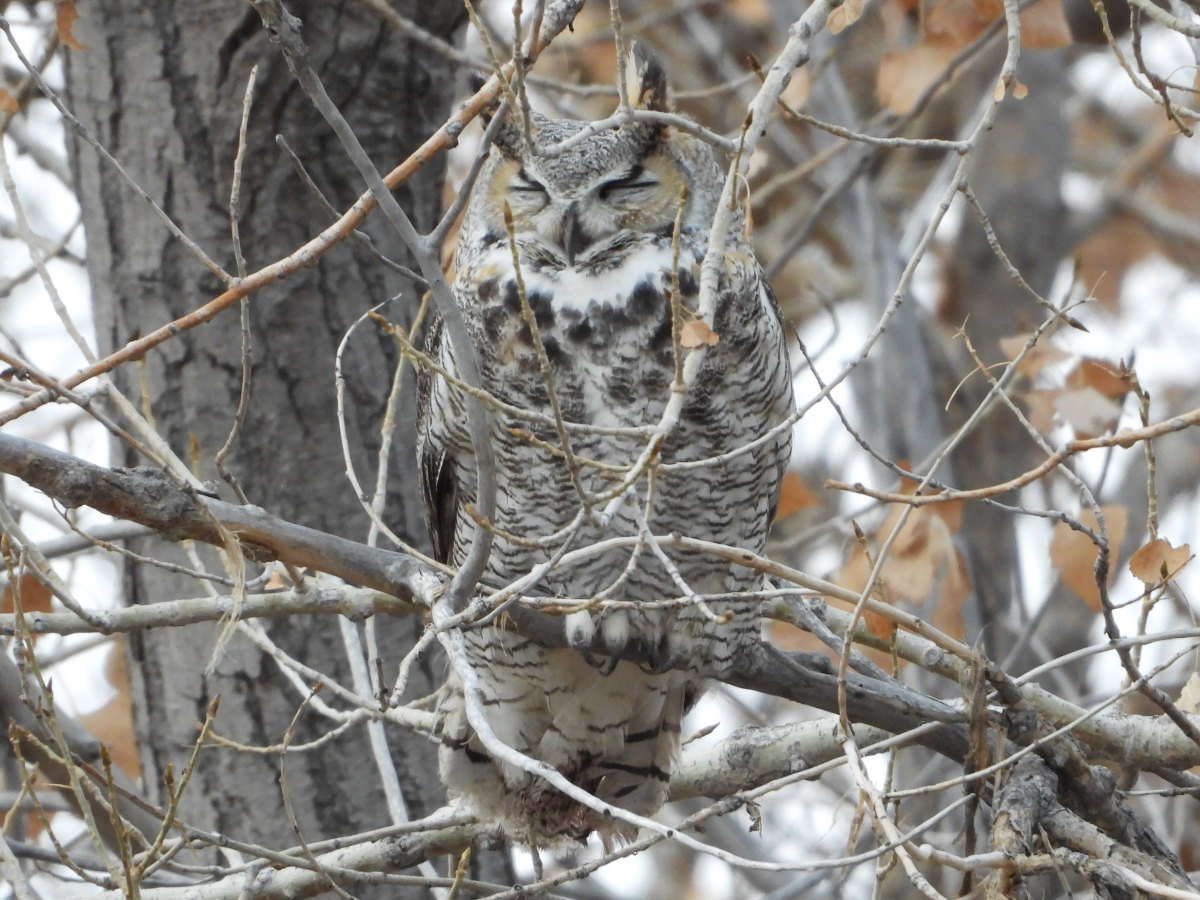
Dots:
pixel 590 659
pixel 661 659
pixel 609 665
pixel 615 645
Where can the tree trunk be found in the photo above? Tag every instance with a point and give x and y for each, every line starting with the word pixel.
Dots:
pixel 161 84
pixel 1016 176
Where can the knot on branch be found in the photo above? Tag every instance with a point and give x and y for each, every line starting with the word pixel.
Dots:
pixel 160 503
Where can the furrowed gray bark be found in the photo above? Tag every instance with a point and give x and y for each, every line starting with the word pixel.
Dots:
pixel 161 85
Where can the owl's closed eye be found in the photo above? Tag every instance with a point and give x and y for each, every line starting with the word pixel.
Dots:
pixel 630 179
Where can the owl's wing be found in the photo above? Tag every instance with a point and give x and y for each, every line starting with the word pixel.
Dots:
pixel 439 484
pixel 783 447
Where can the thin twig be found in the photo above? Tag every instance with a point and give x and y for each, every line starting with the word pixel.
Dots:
pixel 235 214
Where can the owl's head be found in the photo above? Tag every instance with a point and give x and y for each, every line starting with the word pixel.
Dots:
pixel 617 181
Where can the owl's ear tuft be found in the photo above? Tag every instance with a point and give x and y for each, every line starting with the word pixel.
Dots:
pixel 646 80
pixel 508 136
pixel 475 81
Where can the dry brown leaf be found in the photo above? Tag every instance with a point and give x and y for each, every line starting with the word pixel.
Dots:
pixel 998 91
pixel 35 597
pixel 1040 355
pixel 1020 91
pixel 986 10
pixel 795 94
pixel 924 564
pixel 854 575
pixel 923 568
pixel 1158 561
pixel 8 103
pixel 884 629
pixel 794 496
pixel 752 12
pixel 951 513
pixel 1041 413
pixel 1044 26
pixel 65 16
pixel 844 16
pixel 696 333
pixel 904 74
pixel 1087 411
pixel 1174 188
pixel 112 724
pixel 1189 697
pixel 1106 255
pixel 959 22
pixel 1074 555
pixel 787 636
pixel 1101 376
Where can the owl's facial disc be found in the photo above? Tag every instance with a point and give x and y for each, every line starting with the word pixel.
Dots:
pixel 575 221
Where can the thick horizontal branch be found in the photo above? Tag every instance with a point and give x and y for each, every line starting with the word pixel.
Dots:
pixel 349 866
pixel 149 498
pixel 752 756
pixel 749 757
pixel 396 584
pixel 745 760
pixel 352 602
pixel 146 496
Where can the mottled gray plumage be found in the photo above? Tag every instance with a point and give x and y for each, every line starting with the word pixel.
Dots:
pixel 594 232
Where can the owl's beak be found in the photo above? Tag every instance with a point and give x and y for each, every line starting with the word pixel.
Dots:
pixel 574 239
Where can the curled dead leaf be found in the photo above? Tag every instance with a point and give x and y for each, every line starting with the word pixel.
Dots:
pixel 844 16
pixel 924 569
pixel 795 95
pixel 1087 411
pixel 697 334
pixel 1158 561
pixel 1106 256
pixel 1074 555
pixel 905 74
pixel 1100 375
pixel 1042 409
pixel 35 597
pixel 752 12
pixel 1020 91
pixel 1044 26
pixel 884 629
pixel 1189 697
pixel 794 496
pixel 65 15
pixel 1038 356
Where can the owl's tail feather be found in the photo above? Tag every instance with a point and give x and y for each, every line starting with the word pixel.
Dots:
pixel 636 778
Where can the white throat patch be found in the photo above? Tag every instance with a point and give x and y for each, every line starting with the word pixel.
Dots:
pixel 571 289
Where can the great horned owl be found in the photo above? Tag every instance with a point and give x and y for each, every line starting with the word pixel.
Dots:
pixel 593 230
